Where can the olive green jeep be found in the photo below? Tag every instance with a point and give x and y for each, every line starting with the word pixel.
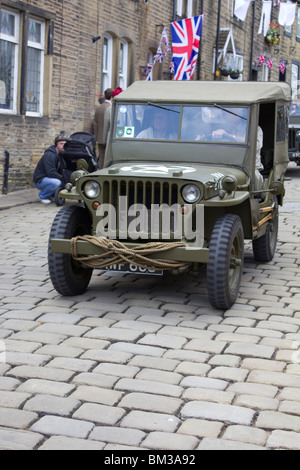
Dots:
pixel 192 169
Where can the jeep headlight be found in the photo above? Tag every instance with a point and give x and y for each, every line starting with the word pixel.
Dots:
pixel 91 189
pixel 298 135
pixel 191 193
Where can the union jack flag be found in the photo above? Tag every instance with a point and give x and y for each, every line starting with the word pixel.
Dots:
pixel 282 66
pixel 159 55
pixel 185 44
pixel 261 59
pixel 269 64
pixel 165 37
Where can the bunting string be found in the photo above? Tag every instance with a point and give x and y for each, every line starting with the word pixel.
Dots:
pixel 262 59
pixel 163 50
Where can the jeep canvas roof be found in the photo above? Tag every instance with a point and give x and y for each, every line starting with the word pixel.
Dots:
pixel 206 92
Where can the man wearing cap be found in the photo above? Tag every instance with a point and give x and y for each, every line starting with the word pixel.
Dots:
pixel 47 176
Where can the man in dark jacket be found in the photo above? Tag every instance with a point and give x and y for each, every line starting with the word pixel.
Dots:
pixel 47 176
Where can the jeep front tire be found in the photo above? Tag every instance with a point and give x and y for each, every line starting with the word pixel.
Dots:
pixel 226 258
pixel 68 276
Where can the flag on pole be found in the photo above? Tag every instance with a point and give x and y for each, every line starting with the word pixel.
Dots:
pixel 185 44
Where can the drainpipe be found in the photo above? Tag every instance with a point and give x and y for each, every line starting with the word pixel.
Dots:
pixel 252 43
pixel 200 47
pixel 217 40
pixel 174 10
pixel 6 169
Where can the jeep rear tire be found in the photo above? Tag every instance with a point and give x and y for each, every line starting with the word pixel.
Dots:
pixel 68 276
pixel 226 258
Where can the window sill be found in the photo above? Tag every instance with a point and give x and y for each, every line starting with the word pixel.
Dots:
pixel 4 117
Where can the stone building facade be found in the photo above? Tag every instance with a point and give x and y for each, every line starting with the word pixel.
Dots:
pixel 53 65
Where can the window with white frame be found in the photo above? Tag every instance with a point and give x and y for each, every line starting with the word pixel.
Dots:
pixel 298 25
pixel 107 62
pixel 295 79
pixel 288 30
pixel 123 64
pixel 21 83
pixel 184 8
pixel 35 68
pixel 9 51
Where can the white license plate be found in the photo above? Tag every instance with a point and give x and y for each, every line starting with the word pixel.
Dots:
pixel 133 269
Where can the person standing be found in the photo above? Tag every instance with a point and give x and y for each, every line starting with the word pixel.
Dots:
pixel 259 180
pixel 98 125
pixel 107 115
pixel 47 176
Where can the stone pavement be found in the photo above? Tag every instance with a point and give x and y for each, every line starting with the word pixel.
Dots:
pixel 146 363
pixel 26 196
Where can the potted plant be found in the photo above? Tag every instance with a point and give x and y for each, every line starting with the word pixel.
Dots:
pixel 234 74
pixel 225 70
pixel 273 34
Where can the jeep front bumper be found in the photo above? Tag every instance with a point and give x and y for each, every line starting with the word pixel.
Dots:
pixel 187 254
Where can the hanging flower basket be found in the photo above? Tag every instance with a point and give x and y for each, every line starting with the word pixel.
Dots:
pixel 273 34
pixel 225 70
pixel 234 74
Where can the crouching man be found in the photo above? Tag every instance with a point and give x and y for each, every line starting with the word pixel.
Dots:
pixel 47 176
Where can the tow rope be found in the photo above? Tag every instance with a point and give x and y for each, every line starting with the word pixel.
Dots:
pixel 116 252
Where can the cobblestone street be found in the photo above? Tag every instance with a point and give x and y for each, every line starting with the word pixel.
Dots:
pixel 145 362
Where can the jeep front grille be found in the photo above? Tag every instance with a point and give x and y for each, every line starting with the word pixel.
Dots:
pixel 149 194
pixel 140 192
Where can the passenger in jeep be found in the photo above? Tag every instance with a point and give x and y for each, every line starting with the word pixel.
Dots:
pixel 223 124
pixel 236 129
pixel 159 128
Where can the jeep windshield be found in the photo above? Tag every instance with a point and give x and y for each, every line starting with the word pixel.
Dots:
pixel 209 124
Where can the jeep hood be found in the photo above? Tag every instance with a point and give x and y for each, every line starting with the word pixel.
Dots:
pixel 201 173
